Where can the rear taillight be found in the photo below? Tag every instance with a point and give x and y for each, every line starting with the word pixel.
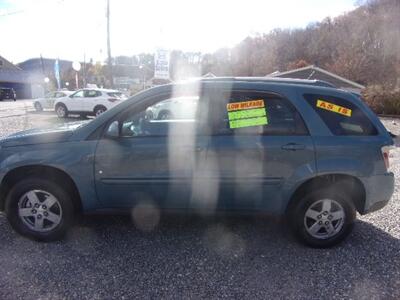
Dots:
pixel 386 154
pixel 113 99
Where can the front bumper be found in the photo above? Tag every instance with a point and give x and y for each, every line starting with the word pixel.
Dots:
pixel 378 191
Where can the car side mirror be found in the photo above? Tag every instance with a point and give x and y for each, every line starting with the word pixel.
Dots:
pixel 113 130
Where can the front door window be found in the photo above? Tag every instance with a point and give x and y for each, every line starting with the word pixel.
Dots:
pixel 79 94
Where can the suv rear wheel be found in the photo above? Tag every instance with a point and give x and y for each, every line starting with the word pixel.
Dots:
pixel 98 110
pixel 322 218
pixel 38 107
pixel 39 209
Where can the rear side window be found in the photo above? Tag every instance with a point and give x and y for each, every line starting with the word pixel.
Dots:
pixel 341 116
pixel 59 95
pixel 116 95
pixel 247 112
pixel 92 93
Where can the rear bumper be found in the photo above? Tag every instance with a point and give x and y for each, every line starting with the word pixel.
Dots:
pixel 378 190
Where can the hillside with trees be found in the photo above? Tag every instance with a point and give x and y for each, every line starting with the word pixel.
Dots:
pixel 362 45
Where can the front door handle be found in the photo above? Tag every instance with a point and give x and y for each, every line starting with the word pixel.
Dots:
pixel 293 147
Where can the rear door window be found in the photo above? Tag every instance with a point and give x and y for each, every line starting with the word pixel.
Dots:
pixel 92 94
pixel 248 112
pixel 341 116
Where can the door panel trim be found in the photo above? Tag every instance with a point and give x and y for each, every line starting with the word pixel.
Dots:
pixel 184 180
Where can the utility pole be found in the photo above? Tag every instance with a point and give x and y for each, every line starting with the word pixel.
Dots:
pixel 110 68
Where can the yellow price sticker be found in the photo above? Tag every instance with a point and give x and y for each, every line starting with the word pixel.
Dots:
pixel 334 108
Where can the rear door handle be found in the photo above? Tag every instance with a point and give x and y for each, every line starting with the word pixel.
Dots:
pixel 293 147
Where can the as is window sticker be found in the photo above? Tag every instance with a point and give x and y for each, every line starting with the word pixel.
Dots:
pixel 334 108
pixel 247 114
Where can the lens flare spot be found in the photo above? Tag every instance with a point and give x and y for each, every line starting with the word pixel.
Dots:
pixel 224 242
pixel 146 216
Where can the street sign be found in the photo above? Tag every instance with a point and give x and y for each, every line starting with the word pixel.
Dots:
pixel 161 64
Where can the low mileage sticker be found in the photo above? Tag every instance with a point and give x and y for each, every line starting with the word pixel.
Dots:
pixel 247 114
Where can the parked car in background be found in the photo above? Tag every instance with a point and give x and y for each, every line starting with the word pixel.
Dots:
pixel 88 102
pixel 174 108
pixel 295 148
pixel 47 102
pixel 7 93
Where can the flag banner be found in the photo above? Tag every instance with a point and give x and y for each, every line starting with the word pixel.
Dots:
pixel 57 73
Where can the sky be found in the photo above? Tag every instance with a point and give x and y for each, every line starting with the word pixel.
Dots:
pixel 70 29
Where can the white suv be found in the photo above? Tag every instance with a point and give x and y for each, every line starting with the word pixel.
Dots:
pixel 47 102
pixel 88 102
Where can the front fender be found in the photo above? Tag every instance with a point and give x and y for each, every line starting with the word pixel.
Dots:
pixel 73 158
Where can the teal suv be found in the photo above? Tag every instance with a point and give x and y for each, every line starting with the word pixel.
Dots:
pixel 296 148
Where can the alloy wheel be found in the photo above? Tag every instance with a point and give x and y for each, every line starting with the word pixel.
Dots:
pixel 324 219
pixel 99 112
pixel 38 107
pixel 39 210
pixel 61 111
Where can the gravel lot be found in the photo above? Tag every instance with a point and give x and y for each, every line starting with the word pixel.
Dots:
pixel 107 257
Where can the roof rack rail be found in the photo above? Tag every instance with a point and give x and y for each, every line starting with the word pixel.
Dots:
pixel 313 82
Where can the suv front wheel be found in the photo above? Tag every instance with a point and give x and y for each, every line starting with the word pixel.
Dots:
pixel 39 209
pixel 322 218
pixel 62 111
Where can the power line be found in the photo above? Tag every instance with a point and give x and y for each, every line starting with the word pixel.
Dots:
pixel 5 14
pixel 12 13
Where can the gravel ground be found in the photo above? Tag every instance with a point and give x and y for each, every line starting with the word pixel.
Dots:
pixel 107 257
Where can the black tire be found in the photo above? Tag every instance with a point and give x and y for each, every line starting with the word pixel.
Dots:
pixel 299 223
pixel 61 111
pixel 17 193
pixel 98 110
pixel 38 107
pixel 165 115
